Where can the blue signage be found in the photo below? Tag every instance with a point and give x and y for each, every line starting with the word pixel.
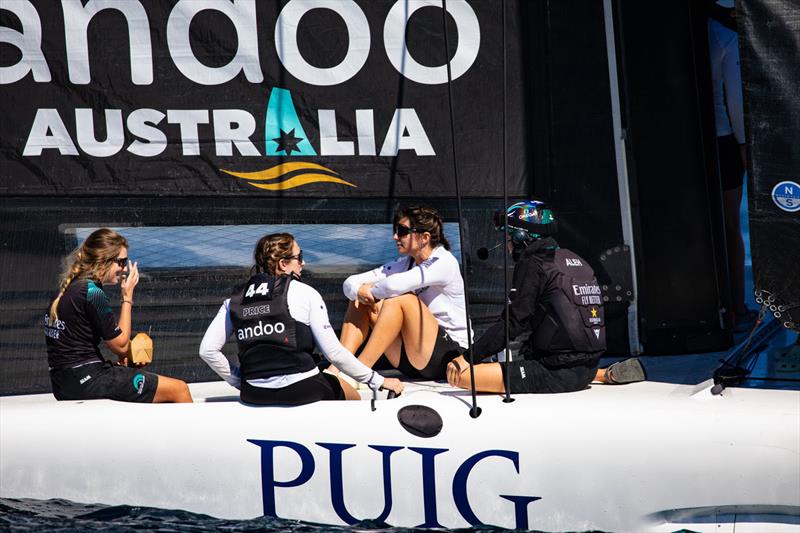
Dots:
pixel 427 461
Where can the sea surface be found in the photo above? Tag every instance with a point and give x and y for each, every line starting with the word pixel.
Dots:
pixel 23 515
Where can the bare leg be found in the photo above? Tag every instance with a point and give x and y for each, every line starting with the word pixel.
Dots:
pixel 355 327
pixel 172 390
pixel 349 392
pixel 731 201
pixel 403 317
pixel 488 378
pixel 357 320
pixel 600 377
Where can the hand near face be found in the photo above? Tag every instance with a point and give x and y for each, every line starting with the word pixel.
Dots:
pixel 129 281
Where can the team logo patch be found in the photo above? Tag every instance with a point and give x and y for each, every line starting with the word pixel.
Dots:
pixel 138 383
pixel 786 196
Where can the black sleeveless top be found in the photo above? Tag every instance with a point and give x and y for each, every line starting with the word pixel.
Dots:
pixel 270 341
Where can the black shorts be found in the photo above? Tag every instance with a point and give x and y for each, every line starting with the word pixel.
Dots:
pixel 322 386
pixel 444 351
pixel 531 376
pixel 731 170
pixel 99 380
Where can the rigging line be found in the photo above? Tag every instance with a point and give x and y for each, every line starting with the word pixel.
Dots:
pixel 507 358
pixel 475 411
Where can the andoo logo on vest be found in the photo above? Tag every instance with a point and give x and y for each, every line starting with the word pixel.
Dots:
pixel 146 132
pixel 260 330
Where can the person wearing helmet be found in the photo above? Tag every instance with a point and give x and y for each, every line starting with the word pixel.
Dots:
pixel 556 298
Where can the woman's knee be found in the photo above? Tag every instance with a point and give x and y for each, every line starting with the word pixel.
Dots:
pixel 398 302
pixel 172 390
pixel 349 392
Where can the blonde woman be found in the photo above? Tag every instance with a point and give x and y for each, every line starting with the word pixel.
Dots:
pixel 276 320
pixel 80 317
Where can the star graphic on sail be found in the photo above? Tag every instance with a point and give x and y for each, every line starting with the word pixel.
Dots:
pixel 288 142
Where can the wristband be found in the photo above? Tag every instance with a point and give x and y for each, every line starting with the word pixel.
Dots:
pixel 124 301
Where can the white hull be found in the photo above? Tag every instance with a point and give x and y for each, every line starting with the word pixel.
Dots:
pixel 643 457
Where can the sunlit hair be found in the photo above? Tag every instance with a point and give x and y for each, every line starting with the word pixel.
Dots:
pixel 425 219
pixel 270 249
pixel 89 260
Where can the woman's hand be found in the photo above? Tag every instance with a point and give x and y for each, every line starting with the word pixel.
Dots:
pixel 129 282
pixel 455 368
pixel 394 385
pixel 365 294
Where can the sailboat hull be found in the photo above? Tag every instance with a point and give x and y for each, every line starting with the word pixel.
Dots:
pixel 645 457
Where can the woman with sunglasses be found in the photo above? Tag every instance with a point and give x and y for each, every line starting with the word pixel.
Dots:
pixel 80 317
pixel 277 320
pixel 414 306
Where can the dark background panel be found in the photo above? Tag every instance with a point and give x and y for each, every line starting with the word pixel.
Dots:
pixel 669 131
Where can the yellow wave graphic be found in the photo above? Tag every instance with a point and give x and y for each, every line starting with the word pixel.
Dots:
pixel 281 170
pixel 297 181
pixel 278 171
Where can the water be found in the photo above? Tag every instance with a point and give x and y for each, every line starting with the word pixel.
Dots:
pixel 22 515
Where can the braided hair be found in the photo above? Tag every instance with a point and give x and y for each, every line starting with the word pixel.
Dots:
pixel 270 249
pixel 89 260
pixel 426 219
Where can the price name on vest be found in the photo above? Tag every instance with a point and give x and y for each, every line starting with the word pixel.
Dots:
pixel 255 310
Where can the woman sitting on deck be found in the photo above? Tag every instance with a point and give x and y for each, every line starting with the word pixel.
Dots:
pixel 80 316
pixel 277 320
pixel 412 309
pixel 556 299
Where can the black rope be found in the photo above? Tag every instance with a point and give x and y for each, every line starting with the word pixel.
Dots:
pixel 508 398
pixel 475 411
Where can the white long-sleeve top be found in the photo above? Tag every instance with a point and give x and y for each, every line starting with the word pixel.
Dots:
pixel 726 80
pixel 436 281
pixel 305 305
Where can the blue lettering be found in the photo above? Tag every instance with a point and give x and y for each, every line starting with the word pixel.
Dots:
pixel 429 484
pixel 336 451
pixel 461 498
pixel 268 482
pixel 520 508
pixel 337 481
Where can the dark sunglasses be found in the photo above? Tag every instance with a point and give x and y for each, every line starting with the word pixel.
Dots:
pixel 121 262
pixel 299 257
pixel 402 230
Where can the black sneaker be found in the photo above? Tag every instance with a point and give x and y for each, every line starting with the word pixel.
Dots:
pixel 627 371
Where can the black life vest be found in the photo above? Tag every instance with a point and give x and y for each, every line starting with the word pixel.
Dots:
pixel 271 342
pixel 569 320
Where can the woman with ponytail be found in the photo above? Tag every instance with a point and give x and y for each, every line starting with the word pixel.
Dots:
pixel 412 309
pixel 277 321
pixel 80 317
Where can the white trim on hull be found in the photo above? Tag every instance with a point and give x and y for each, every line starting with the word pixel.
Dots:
pixel 643 457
